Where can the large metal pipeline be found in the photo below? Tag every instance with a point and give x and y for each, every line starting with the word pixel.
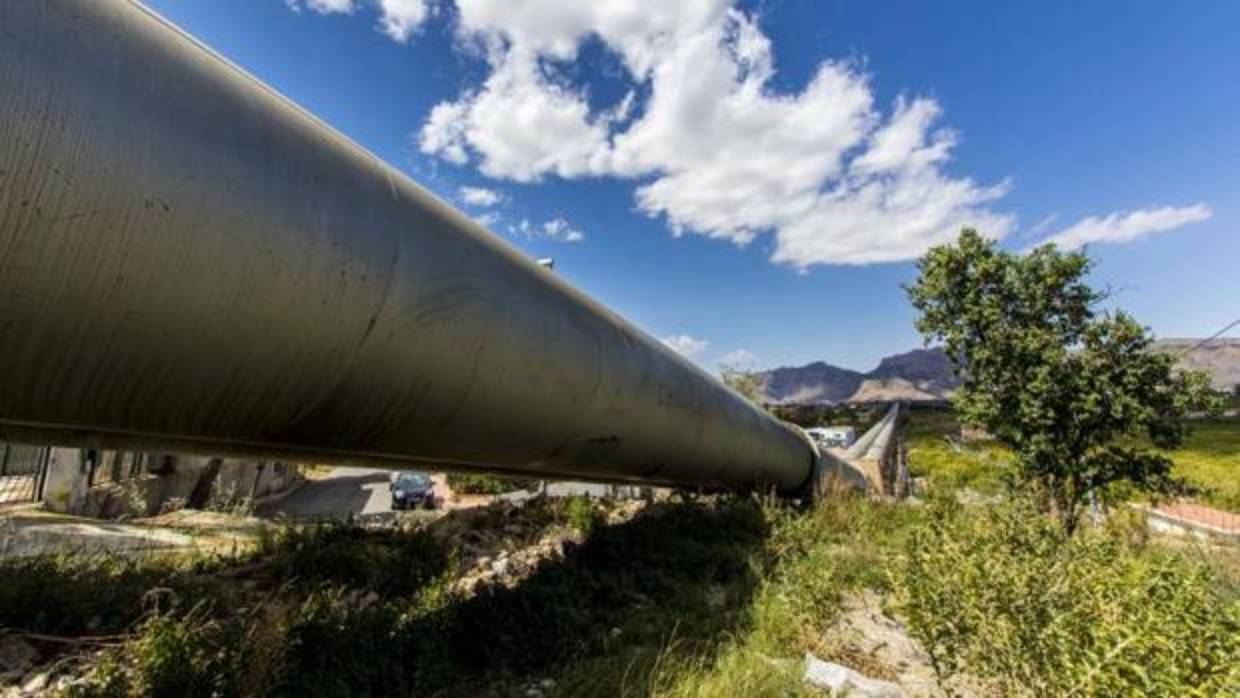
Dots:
pixel 190 261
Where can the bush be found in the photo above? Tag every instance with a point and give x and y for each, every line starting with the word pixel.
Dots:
pixel 170 654
pixel 172 658
pixel 581 514
pixel 488 484
pixel 340 610
pixel 1004 595
pixel 97 593
pixel 386 561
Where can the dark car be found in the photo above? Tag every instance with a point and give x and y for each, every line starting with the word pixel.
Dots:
pixel 410 490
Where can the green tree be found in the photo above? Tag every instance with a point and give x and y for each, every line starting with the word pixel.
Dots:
pixel 1074 392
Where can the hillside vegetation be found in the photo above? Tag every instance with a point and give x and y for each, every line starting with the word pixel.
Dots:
pixel 709 598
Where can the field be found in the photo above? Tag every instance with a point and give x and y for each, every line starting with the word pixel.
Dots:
pixel 1209 461
pixel 937 452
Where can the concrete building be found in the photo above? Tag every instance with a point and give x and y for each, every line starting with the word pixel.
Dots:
pixel 107 484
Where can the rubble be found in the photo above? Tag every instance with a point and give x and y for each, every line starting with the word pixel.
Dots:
pixel 504 543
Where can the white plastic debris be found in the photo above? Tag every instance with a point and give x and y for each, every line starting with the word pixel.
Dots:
pixel 842 681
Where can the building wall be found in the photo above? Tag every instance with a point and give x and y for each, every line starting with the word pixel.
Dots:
pixel 177 481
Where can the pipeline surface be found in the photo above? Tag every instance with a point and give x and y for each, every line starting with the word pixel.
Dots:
pixel 189 261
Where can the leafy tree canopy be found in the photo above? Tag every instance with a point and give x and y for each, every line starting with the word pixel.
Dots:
pixel 1076 393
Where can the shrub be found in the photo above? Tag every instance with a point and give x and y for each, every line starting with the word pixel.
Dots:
pixel 97 593
pixel 173 657
pixel 462 483
pixel 1004 595
pixel 386 561
pixel 338 646
pixel 581 514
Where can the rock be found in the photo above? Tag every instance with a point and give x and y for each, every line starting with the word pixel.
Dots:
pixel 35 684
pixel 863 628
pixel 16 654
pixel 500 566
pixel 843 681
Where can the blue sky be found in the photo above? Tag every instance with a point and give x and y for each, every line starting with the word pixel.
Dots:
pixel 750 181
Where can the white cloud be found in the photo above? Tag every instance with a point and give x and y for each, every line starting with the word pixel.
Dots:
pixel 715 148
pixel 399 19
pixel 739 358
pixel 444 132
pixel 480 196
pixel 520 124
pixel 1130 225
pixel 556 229
pixel 323 7
pixel 685 345
pixel 559 229
pixel 719 151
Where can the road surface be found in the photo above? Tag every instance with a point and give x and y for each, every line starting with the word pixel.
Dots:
pixel 348 492
pixel 342 493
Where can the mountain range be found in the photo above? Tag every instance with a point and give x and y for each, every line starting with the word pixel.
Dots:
pixel 1218 357
pixel 920 375
pixel 925 375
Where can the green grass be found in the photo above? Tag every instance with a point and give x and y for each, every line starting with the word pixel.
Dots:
pixel 937 453
pixel 1210 460
pixel 338 611
pixel 714 598
pixel 1000 593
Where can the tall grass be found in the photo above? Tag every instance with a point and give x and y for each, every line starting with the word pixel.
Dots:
pixel 1002 594
pixel 336 611
pixel 1210 460
pixel 717 598
pixel 937 452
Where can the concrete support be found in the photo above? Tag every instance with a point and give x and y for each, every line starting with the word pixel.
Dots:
pixel 65 487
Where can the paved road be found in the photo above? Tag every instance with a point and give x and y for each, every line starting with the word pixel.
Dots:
pixel 341 493
pixel 352 492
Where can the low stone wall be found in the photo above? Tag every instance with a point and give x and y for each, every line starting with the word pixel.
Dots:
pixel 178 481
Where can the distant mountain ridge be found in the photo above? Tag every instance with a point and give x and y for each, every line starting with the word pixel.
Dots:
pixel 925 375
pixel 1218 357
pixel 920 375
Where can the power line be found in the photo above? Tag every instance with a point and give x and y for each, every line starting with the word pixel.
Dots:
pixel 1207 340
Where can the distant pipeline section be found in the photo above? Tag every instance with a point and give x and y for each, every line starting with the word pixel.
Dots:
pixel 189 261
